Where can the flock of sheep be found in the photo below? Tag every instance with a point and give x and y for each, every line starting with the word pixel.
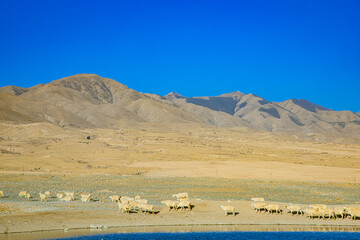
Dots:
pixel 127 204
pixel 314 210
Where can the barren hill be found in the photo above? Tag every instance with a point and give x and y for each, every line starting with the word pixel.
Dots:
pixel 88 100
pixel 294 115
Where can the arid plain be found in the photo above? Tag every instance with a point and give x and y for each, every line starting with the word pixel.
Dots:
pixel 156 159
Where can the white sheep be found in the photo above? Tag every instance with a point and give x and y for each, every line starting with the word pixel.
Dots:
pixel 270 208
pixel 228 209
pixel 294 208
pixel 70 194
pixel 126 199
pixel 170 204
pixel 327 212
pixel 123 207
pixel 59 196
pixel 114 198
pixel 47 193
pixel 135 205
pixel 259 199
pixel 148 208
pixel 42 197
pixel 28 196
pixel 67 198
pixel 183 195
pixel 258 206
pixel 355 213
pixel 85 197
pixel 311 212
pixel 1 194
pixel 184 204
pixel 339 211
pixel 137 197
pixel 22 194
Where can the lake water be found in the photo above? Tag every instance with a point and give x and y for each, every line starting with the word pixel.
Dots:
pixel 198 232
pixel 225 235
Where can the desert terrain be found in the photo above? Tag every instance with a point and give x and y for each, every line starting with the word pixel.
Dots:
pixel 104 139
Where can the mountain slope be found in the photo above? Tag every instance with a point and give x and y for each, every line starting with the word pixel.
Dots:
pixel 91 101
pixel 294 115
pixel 94 101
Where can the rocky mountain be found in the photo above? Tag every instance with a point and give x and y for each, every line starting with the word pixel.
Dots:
pixel 294 115
pixel 88 100
pixel 91 101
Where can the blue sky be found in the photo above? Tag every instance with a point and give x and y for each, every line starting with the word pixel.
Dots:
pixel 276 49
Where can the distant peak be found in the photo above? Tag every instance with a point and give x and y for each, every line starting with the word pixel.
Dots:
pixel 233 94
pixel 173 95
pixel 85 75
pixel 89 84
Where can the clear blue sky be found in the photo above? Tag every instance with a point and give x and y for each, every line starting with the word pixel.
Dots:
pixel 276 49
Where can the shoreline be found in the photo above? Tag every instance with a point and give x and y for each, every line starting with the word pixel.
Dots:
pixel 163 228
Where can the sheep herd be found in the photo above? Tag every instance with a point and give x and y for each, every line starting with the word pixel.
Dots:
pixel 127 204
pixel 314 210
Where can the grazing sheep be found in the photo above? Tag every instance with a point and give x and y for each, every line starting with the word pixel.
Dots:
pixel 294 208
pixel 339 211
pixel 170 204
pixel 228 209
pixel 28 196
pixel 349 209
pixel 114 198
pixel 47 193
pixel 311 212
pixel 148 208
pixel 183 195
pixel 42 197
pixel 59 196
pixel 355 213
pixel 135 205
pixel 258 206
pixel 70 194
pixel 22 194
pixel 126 199
pixel 258 199
pixel 85 197
pixel 318 206
pixel 124 207
pixel 327 212
pixel 352 211
pixel 184 204
pixel 67 198
pixel 1 194
pixel 270 208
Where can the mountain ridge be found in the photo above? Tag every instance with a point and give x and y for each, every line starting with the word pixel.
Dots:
pixel 89 100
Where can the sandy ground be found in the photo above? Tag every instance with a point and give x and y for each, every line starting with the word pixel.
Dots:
pixel 251 170
pixel 19 215
pixel 212 164
pixel 204 213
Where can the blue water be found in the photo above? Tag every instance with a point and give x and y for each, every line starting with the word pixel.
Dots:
pixel 225 235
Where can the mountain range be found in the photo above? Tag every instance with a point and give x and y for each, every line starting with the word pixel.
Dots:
pixel 91 101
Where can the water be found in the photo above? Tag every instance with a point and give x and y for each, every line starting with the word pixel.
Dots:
pixel 224 235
